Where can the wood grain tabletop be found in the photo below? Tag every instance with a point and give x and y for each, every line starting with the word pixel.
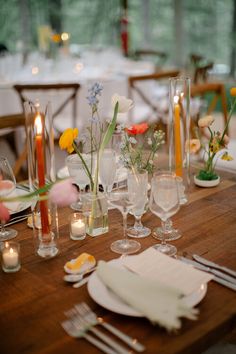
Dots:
pixel 33 300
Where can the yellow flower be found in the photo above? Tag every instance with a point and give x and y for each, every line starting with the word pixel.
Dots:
pixel 67 138
pixel 226 157
pixel 233 91
pixel 192 145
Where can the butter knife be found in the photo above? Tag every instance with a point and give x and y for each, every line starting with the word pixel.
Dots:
pixel 217 279
pixel 213 265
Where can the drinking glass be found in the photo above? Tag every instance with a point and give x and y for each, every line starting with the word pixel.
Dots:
pixel 164 202
pixel 138 187
pixel 122 200
pixel 77 171
pixel 7 185
pixel 107 169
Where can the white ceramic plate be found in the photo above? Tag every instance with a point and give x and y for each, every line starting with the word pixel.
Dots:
pixel 122 174
pixel 110 301
pixel 17 207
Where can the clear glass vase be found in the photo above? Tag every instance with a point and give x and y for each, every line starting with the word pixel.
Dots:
pixel 41 169
pixel 95 209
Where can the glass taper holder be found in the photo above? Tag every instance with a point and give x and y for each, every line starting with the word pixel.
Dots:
pixel 41 169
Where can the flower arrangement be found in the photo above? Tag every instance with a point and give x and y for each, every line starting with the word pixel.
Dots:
pixel 99 135
pixel 139 146
pixel 217 142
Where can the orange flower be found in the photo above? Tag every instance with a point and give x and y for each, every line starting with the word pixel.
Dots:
pixel 137 129
pixel 233 91
pixel 67 139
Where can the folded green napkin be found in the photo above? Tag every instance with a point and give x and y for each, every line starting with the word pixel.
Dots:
pixel 159 303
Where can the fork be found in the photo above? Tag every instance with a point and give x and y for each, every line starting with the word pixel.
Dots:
pixel 74 332
pixel 90 316
pixel 81 323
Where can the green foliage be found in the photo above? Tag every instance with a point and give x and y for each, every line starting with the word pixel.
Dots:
pixel 206 175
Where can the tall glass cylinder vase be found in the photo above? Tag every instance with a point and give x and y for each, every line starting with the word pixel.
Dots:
pixel 179 133
pixel 41 167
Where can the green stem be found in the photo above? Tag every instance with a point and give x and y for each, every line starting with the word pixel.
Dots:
pixel 84 163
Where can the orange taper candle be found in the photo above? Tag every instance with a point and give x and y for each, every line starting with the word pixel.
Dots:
pixel 178 150
pixel 41 173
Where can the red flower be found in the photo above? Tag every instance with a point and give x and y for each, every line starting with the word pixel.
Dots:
pixel 4 213
pixel 137 129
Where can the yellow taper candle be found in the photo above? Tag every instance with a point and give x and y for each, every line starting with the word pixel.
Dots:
pixel 178 150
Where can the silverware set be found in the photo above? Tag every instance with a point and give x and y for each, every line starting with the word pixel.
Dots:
pixel 17 219
pixel 222 275
pixel 81 319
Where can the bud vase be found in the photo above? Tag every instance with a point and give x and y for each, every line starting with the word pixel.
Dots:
pixel 95 209
pixel 41 169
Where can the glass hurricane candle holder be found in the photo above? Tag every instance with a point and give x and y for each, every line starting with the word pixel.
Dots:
pixel 41 167
pixel 77 226
pixel 10 257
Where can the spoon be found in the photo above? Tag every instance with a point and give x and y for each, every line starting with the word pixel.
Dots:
pixel 73 278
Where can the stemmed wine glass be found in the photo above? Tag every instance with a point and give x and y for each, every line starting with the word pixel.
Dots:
pixel 7 185
pixel 164 202
pixel 107 170
pixel 77 171
pixel 172 234
pixel 138 186
pixel 123 201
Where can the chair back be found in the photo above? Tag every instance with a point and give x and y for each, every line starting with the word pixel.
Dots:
pixel 64 94
pixel 9 123
pixel 144 89
pixel 210 94
pixel 156 56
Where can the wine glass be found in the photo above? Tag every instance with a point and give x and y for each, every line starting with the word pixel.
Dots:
pixel 172 234
pixel 77 171
pixel 107 169
pixel 122 200
pixel 7 185
pixel 164 202
pixel 138 186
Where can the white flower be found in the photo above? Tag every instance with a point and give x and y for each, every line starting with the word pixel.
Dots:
pixel 205 122
pixel 149 141
pixel 125 104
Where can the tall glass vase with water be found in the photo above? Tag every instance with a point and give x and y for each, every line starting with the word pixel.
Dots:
pixel 7 185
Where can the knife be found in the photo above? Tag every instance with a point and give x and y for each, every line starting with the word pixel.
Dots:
pixel 217 279
pixel 213 265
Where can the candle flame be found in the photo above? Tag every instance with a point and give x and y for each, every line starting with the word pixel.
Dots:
pixel 38 123
pixel 176 99
pixel 11 250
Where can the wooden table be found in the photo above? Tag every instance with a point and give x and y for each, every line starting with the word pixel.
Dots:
pixel 34 299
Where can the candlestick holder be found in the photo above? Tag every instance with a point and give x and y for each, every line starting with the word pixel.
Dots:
pixel 179 132
pixel 178 150
pixel 41 169
pixel 10 256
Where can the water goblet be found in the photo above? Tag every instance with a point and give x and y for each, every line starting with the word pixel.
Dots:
pixel 138 187
pixel 123 201
pixel 77 171
pixel 107 169
pixel 172 234
pixel 164 202
pixel 7 185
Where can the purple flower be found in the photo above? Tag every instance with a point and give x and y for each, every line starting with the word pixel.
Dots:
pixel 63 193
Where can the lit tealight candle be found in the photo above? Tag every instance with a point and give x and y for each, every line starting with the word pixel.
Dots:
pixel 77 228
pixel 10 257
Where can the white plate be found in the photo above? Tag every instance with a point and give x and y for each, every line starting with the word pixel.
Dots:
pixel 122 174
pixel 110 301
pixel 17 207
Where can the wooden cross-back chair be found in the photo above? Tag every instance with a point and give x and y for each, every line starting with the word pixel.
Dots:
pixel 71 89
pixel 159 57
pixel 212 93
pixel 145 96
pixel 16 121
